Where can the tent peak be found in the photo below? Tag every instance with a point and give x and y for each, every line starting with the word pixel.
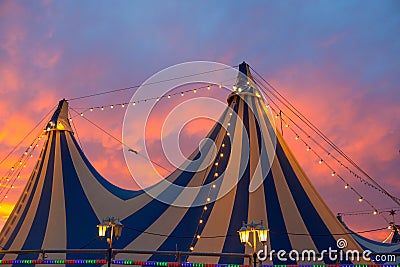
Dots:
pixel 245 84
pixel 245 69
pixel 59 121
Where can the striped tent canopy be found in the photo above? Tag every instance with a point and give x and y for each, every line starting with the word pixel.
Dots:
pixel 258 179
pixel 378 247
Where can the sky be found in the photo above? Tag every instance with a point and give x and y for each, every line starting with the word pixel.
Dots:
pixel 338 62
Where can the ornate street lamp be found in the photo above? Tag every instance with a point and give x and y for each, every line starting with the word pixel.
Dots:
pixel 257 229
pixel 115 227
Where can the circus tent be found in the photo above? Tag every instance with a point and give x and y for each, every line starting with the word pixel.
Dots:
pixel 252 176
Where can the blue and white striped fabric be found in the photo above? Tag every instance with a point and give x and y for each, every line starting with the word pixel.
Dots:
pixel 65 197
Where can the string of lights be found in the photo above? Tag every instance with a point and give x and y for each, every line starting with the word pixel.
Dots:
pixel 364 212
pixel 268 89
pixel 201 221
pixel 84 110
pixel 322 161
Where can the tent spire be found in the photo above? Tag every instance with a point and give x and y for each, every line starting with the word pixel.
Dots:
pixel 59 120
pixel 245 83
pixel 245 69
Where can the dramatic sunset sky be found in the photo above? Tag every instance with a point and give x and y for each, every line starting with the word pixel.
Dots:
pixel 337 61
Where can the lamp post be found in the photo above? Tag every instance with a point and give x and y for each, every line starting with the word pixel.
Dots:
pixel 256 229
pixel 115 227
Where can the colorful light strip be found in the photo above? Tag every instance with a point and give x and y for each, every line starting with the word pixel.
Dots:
pixel 53 262
pixel 176 264
pixel 188 264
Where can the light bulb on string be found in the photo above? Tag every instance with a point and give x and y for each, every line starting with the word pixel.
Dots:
pixel 182 94
pixel 216 163
pixel 286 125
pixel 81 114
pixel 297 137
pixel 158 99
pixel 201 221
pixel 198 236
pixel 112 106
pixel 205 208
pixel 91 109
pixel 194 91
pixel 208 88
pixel 346 186
pixel 308 149
pixel 220 85
pixel 320 161
pixel 169 96
pixel 216 174
pixel 191 248
pixel 375 212
pixel 102 108
pixel 123 105
pixel 360 199
pixel 134 104
pixel 333 173
pixel 208 199
pixel 213 186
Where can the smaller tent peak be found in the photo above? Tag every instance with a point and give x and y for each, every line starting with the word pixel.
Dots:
pixel 59 120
